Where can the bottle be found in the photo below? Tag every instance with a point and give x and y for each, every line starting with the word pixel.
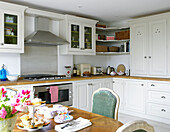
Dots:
pixel 3 73
pixel 78 71
pixel 74 71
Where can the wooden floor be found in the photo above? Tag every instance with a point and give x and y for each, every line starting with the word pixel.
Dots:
pixel 159 127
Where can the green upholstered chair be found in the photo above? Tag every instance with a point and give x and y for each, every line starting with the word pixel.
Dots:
pixel 106 103
pixel 136 126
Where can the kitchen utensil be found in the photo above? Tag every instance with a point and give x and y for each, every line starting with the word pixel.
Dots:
pixel 12 77
pixel 121 68
pixel 108 70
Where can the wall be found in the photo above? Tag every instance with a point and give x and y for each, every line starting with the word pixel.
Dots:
pixel 11 62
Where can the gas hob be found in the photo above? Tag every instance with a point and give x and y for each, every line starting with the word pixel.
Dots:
pixel 41 77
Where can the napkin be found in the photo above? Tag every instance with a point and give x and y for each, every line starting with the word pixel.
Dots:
pixel 76 125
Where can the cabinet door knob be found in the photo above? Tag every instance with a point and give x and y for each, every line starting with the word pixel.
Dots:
pixel 145 57
pixel 163 110
pixel 2 43
pixel 113 81
pixel 149 57
pixel 163 97
pixel 142 84
pixel 152 85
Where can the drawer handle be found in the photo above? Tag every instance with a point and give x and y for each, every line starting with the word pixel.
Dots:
pixel 90 84
pixel 152 85
pixel 163 97
pixel 163 110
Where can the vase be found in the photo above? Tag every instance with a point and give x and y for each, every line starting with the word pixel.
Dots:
pixel 7 125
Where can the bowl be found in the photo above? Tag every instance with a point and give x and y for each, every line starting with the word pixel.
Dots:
pixel 113 73
pixel 12 77
pixel 120 73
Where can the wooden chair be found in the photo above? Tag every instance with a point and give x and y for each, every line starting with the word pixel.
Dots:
pixel 106 103
pixel 136 126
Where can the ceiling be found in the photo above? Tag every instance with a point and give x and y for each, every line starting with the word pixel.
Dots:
pixel 103 10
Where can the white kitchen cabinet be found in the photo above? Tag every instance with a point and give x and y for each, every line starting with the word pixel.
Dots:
pixel 134 96
pixel 12 23
pixel 118 87
pixel 149 46
pixel 139 49
pixel 107 83
pixel 80 33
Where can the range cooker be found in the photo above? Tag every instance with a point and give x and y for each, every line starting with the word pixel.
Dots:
pixel 39 77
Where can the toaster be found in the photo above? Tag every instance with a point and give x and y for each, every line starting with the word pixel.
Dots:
pixel 97 70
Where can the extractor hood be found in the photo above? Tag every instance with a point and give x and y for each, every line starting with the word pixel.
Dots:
pixel 42 35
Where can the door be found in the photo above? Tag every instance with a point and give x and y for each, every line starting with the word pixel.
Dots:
pixel 74 36
pixel 84 96
pixel 158 48
pixel 87 37
pixel 118 88
pixel 11 33
pixel 107 83
pixel 134 96
pixel 138 49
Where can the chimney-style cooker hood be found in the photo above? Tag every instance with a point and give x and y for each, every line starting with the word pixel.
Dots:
pixel 42 35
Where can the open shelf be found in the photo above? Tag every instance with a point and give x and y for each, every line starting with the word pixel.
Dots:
pixel 112 53
pixel 112 28
pixel 113 40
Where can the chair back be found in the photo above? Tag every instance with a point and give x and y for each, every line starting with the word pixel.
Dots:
pixel 136 126
pixel 106 103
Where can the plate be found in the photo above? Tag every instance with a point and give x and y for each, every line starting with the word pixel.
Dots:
pixel 121 68
pixel 60 121
pixel 31 130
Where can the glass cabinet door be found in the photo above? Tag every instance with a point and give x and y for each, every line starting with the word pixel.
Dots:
pixel 87 37
pixel 10 29
pixel 75 36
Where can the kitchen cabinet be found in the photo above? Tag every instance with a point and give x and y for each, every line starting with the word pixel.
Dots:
pixel 111 31
pixel 118 87
pixel 134 95
pixel 83 92
pixel 12 23
pixel 81 35
pixel 149 46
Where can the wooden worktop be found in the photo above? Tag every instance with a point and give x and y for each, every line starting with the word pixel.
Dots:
pixel 24 82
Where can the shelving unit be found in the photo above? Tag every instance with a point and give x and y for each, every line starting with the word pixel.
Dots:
pixel 110 31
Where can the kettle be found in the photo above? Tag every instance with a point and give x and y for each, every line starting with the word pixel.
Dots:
pixel 108 70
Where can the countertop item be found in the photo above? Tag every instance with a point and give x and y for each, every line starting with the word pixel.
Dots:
pixel 121 68
pixel 99 122
pixel 108 70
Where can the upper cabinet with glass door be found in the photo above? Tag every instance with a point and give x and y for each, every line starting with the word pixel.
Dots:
pixel 12 25
pixel 81 35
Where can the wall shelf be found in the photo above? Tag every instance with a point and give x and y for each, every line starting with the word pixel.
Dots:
pixel 113 53
pixel 113 40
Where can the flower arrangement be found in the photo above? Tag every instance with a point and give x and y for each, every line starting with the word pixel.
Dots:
pixel 9 108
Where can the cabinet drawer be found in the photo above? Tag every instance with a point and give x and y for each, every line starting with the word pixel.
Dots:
pixel 159 97
pixel 159 110
pixel 159 86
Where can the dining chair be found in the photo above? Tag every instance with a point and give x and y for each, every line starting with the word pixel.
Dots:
pixel 136 126
pixel 106 103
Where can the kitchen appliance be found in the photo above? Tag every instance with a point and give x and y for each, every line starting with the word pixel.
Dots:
pixel 64 93
pixel 42 35
pixel 97 70
pixel 108 70
pixel 40 77
pixel 84 68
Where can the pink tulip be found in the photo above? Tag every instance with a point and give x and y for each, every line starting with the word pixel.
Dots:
pixel 14 110
pixel 28 96
pixel 17 100
pixel 18 95
pixel 3 113
pixel 23 92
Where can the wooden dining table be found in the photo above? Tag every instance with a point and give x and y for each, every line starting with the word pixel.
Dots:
pixel 99 123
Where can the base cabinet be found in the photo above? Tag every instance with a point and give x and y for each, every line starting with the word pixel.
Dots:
pixel 83 92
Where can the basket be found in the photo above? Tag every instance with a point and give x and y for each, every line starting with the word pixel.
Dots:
pixel 122 35
pixel 113 49
pixel 101 48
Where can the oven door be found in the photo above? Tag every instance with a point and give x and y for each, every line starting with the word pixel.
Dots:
pixel 64 94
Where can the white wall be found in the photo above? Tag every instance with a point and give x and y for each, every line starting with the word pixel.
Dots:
pixel 11 62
